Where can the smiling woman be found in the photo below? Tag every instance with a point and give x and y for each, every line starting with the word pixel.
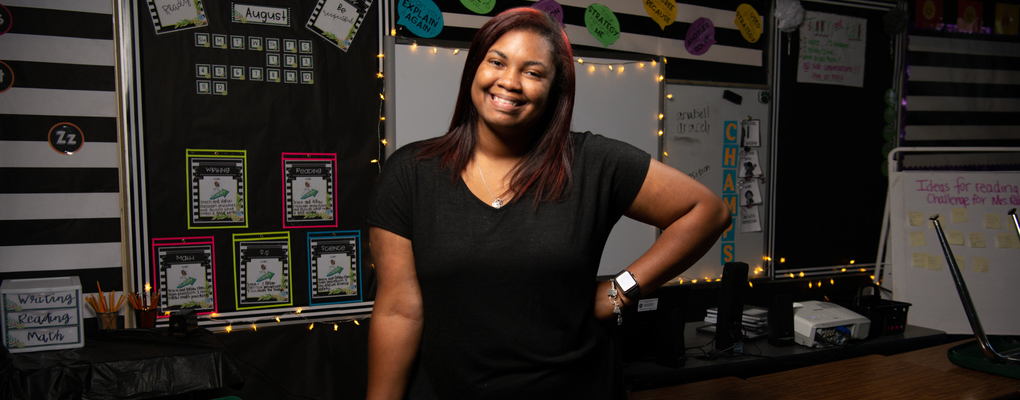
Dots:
pixel 487 240
pixel 509 93
pixel 511 87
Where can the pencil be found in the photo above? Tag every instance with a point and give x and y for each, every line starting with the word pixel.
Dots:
pixel 120 302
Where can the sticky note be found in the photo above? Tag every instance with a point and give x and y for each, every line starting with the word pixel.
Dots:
pixel 916 218
pixel 955 238
pixel 993 221
pixel 958 215
pixel 961 261
pixel 977 240
pixel 981 264
pixel 1006 241
pixel 919 260
pixel 934 263
pixel 917 239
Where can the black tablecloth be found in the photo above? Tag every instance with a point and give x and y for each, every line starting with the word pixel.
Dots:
pixel 121 364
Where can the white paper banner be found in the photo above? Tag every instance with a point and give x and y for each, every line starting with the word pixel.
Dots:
pixel 832 49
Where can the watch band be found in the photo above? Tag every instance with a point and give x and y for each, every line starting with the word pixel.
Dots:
pixel 628 285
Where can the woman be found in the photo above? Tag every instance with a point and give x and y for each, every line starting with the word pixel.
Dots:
pixel 487 240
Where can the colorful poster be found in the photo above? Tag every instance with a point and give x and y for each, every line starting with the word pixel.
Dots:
pixel 421 17
pixel 929 14
pixel 969 16
pixel 338 21
pixel 216 183
pixel 334 265
pixel 602 24
pixel 1007 19
pixel 731 137
pixel 832 49
pixel 309 185
pixel 185 270
pixel 748 22
pixel 262 270
pixel 175 15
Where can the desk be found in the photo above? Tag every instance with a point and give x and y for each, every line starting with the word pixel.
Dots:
pixel 765 359
pixel 925 373
pixel 120 364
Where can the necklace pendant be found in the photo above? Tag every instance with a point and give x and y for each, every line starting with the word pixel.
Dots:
pixel 497 204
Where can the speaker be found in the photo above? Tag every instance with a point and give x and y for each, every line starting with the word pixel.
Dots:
pixel 780 320
pixel 670 334
pixel 729 323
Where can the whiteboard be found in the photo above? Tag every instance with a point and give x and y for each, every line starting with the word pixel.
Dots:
pixel 622 103
pixel 972 209
pixel 696 122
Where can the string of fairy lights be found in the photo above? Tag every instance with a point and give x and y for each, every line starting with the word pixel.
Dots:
pixel 616 67
pixel 289 317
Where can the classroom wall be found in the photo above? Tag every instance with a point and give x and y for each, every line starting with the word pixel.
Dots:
pixel 962 87
pixel 59 212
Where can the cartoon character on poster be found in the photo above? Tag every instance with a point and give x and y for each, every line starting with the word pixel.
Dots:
pixel 187 287
pixel 312 199
pixel 265 280
pixel 335 276
pixel 218 198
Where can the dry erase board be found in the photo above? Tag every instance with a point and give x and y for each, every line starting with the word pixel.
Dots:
pixel 705 138
pixel 622 103
pixel 972 209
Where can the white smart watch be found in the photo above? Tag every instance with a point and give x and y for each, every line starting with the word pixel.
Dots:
pixel 628 285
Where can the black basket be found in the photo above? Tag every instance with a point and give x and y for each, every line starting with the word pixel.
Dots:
pixel 887 316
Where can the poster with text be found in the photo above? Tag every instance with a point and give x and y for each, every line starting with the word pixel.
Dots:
pixel 309 182
pixel 185 269
pixel 338 21
pixel 262 270
pixel 832 49
pixel 216 197
pixel 176 15
pixel 334 267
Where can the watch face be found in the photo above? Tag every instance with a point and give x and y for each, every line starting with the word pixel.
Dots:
pixel 626 281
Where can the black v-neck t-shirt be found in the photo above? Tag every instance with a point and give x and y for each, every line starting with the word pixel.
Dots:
pixel 508 292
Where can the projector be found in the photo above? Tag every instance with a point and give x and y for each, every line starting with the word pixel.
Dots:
pixel 824 324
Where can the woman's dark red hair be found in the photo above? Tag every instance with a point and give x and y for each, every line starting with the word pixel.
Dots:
pixel 545 169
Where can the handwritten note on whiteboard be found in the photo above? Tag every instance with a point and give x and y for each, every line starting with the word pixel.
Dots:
pixel 973 211
pixel 832 49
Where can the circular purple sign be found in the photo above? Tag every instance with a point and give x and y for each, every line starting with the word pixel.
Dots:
pixel 700 36
pixel 551 7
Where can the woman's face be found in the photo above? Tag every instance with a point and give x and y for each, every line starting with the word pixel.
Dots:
pixel 512 84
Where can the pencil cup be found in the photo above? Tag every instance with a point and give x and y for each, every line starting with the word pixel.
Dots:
pixel 107 320
pixel 146 317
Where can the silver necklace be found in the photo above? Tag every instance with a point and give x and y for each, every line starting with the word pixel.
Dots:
pixel 496 202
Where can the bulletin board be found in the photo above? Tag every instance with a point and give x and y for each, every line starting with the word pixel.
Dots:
pixel 705 138
pixel 253 138
pixel 972 208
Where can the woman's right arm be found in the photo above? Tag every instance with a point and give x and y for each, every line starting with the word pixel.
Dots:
pixel 396 326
